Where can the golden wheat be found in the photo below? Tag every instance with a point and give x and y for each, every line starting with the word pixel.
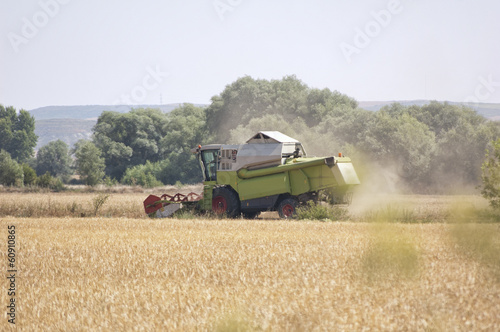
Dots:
pixel 118 274
pixel 70 204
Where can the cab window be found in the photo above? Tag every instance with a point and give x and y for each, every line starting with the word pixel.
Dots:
pixel 210 160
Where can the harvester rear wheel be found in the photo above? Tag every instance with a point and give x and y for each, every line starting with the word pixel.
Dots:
pixel 225 202
pixel 287 208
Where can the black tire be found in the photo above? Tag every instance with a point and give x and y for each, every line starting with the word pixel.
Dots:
pixel 225 202
pixel 250 215
pixel 287 208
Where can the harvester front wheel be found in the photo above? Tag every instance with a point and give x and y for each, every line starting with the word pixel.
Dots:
pixel 287 208
pixel 225 202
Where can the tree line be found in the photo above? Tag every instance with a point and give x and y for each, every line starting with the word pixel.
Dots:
pixel 53 165
pixel 435 148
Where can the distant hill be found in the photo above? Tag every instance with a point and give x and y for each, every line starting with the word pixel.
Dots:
pixel 71 123
pixel 90 111
pixel 67 130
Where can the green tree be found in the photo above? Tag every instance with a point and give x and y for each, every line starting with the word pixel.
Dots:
pixel 55 159
pixel 185 129
pixel 461 137
pixel 401 144
pixel 11 173
pixel 247 99
pixel 29 175
pixel 442 117
pixel 348 127
pixel 17 133
pixel 89 163
pixel 460 153
pixel 267 122
pixel 325 103
pixel 129 139
pixel 491 175
pixel 143 175
pixel 7 120
pixel 48 181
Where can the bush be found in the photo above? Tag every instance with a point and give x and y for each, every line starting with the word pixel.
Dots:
pixel 491 176
pixel 313 211
pixel 89 163
pixel 98 202
pixel 29 175
pixel 110 182
pixel 11 173
pixel 50 182
pixel 143 175
pixel 55 159
pixel 479 242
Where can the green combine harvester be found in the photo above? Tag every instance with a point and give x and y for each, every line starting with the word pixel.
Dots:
pixel 270 172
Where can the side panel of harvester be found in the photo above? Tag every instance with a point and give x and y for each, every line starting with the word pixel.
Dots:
pixel 296 178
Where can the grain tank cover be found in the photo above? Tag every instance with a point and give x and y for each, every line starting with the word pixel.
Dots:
pixel 265 149
pixel 271 137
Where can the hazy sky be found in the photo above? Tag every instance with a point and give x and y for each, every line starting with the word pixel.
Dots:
pixel 87 52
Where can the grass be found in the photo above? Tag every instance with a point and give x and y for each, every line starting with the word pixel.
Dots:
pixel 71 204
pixel 322 212
pixel 393 213
pixel 233 322
pixel 422 209
pixel 262 275
pixel 391 255
pixel 480 243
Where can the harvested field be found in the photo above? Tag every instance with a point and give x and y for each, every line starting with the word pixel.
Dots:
pixel 197 275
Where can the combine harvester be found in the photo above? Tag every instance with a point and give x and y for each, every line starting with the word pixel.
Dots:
pixel 270 172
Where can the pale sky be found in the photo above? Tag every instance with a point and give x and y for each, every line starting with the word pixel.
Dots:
pixel 88 52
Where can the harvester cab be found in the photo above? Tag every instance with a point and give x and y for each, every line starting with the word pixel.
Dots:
pixel 265 149
pixel 269 172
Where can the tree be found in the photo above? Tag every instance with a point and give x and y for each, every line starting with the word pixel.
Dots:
pixel 55 159
pixel 247 99
pixel 442 117
pixel 7 119
pixel 129 139
pixel 143 175
pixel 401 143
pixel 325 103
pixel 267 122
pixel 185 129
pixel 17 133
pixel 460 153
pixel 491 175
pixel 48 181
pixel 461 137
pixel 89 163
pixel 11 174
pixel 350 126
pixel 29 175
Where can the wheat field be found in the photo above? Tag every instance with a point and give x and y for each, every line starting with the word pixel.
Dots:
pixel 117 274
